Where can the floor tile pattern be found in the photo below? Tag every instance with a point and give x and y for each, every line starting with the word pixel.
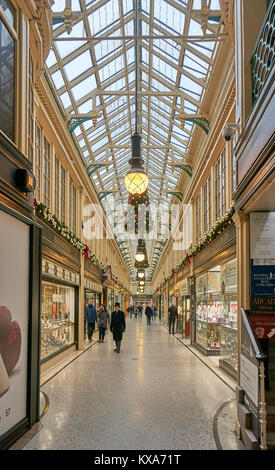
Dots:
pixel 154 395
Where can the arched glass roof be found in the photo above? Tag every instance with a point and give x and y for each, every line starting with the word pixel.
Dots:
pixel 93 68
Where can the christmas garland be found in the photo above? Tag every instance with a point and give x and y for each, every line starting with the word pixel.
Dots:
pixel 136 199
pixel 142 221
pixel 218 227
pixel 44 212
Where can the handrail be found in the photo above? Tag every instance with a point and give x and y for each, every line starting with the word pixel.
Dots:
pixel 263 57
pixel 261 357
pixel 259 354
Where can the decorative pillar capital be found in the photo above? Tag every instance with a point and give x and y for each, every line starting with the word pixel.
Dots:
pixel 239 218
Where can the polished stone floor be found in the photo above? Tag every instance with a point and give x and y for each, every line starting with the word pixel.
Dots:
pixel 154 395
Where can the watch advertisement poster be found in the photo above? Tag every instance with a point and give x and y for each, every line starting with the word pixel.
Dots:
pixel 14 314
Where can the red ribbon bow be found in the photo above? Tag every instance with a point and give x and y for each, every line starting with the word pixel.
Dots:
pixel 86 252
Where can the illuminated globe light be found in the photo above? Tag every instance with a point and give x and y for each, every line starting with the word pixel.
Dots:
pixel 141 274
pixel 141 283
pixel 136 182
pixel 140 257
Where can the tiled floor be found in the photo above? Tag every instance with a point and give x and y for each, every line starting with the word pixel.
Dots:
pixel 156 394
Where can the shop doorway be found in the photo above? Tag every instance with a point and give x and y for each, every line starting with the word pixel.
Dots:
pixel 183 321
pixel 96 297
pixel 186 316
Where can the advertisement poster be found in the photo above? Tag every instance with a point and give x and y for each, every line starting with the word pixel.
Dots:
pixel 262 279
pixel 262 263
pixel 264 326
pixel 14 299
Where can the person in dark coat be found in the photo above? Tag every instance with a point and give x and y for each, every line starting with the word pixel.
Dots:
pixel 172 315
pixel 129 311
pixel 103 322
pixel 91 318
pixel 148 313
pixel 118 326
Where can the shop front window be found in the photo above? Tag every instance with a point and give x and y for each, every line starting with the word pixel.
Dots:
pixel 208 311
pixel 229 312
pixel 96 297
pixel 110 300
pixel 57 319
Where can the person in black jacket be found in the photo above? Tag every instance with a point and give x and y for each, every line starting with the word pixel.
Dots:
pixel 148 313
pixel 172 315
pixel 118 326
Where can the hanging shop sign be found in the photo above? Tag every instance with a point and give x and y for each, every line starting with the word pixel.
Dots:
pixel 14 316
pixel 184 288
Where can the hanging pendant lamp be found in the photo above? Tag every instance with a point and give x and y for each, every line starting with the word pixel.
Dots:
pixel 141 274
pixel 140 253
pixel 136 180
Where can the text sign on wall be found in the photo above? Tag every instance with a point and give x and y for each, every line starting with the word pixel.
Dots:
pixel 262 233
pixel 262 263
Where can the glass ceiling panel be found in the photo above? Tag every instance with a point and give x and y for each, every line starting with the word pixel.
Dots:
pixel 166 67
pixel 78 66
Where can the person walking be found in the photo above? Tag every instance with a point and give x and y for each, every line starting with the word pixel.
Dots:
pixel 172 315
pixel 129 311
pixel 103 322
pixel 148 313
pixel 153 312
pixel 118 326
pixel 91 318
pixel 140 308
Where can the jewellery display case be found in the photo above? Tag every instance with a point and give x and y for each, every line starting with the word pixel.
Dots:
pixel 208 312
pixel 57 321
pixel 229 354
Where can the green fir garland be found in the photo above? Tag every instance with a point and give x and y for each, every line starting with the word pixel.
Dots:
pixel 44 212
pixel 218 227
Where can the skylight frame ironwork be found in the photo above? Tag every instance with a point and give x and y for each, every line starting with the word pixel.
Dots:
pixel 155 112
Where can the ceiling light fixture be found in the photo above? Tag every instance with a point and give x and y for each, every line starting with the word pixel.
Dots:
pixel 141 274
pixel 136 179
pixel 140 254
